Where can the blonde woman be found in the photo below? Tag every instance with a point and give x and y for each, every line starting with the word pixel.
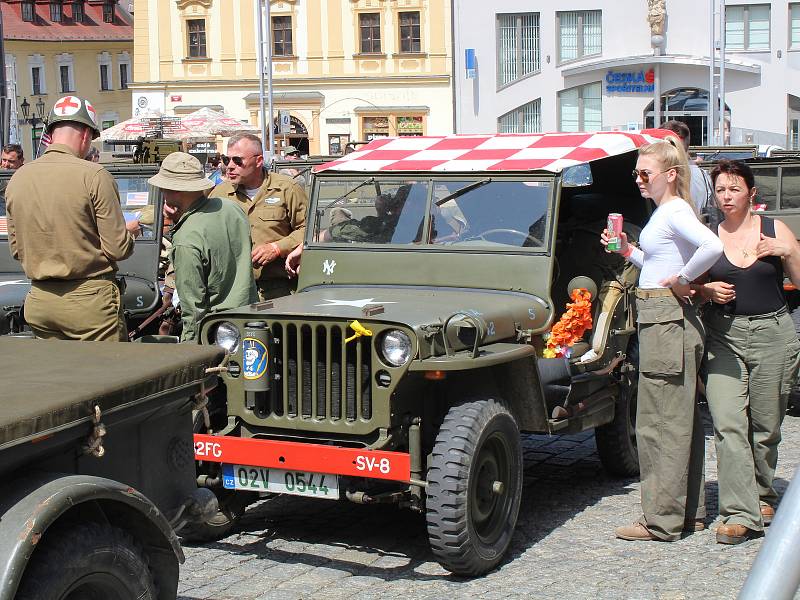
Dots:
pixel 752 352
pixel 675 249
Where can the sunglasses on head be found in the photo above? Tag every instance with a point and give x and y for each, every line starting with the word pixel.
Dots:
pixel 237 160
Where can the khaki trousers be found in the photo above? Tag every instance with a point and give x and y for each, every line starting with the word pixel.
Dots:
pixel 81 309
pixel 751 365
pixel 669 432
pixel 274 287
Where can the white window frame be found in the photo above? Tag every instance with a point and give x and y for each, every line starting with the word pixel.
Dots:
pixel 581 49
pixel 518 115
pixel 66 60
pixel 519 49
pixel 37 61
pixel 794 12
pixel 746 28
pixel 104 60
pixel 580 89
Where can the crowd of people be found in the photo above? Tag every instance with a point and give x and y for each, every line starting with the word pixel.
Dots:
pixel 709 302
pixel 743 348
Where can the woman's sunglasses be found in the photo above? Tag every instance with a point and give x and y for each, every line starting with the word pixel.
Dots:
pixel 644 175
pixel 237 160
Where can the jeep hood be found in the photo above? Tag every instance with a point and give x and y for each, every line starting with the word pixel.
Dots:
pixel 415 307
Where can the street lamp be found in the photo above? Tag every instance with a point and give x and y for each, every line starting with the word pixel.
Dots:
pixel 33 120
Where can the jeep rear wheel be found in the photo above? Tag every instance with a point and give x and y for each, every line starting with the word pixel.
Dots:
pixel 616 441
pixel 474 487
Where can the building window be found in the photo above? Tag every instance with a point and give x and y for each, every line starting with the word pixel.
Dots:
pixel 337 142
pixel 197 38
pixel 56 11
pixel 370 31
pixel 747 27
pixel 580 108
pixel 409 32
pixel 108 12
pixel 524 119
pixel 580 33
pixel 375 127
pixel 65 78
pixel 105 83
pixel 123 76
pixel 794 134
pixel 27 11
pixel 36 81
pixel 409 126
pixel 518 46
pixel 282 36
pixel 77 11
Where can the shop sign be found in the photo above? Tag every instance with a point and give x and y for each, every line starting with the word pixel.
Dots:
pixel 630 82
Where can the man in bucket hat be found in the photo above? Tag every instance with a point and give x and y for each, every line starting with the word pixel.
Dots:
pixel 65 225
pixel 210 243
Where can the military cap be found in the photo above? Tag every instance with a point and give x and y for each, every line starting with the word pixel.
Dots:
pixel 75 109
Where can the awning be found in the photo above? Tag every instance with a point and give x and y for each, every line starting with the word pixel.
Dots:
pixel 605 64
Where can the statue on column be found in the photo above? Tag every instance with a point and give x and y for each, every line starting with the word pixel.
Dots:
pixel 656 14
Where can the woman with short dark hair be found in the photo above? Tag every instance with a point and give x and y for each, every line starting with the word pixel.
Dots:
pixel 751 352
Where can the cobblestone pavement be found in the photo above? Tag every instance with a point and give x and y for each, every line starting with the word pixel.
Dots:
pixel 288 548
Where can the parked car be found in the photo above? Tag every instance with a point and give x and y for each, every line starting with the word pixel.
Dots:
pixel 412 355
pixel 140 271
pixel 97 467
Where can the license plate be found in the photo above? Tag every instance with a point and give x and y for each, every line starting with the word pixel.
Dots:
pixel 298 483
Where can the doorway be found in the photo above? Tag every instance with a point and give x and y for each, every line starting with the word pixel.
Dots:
pixel 689 105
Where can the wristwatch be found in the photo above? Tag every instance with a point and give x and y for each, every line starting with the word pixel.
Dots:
pixel 682 280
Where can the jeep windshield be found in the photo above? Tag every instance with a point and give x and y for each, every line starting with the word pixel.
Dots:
pixel 452 213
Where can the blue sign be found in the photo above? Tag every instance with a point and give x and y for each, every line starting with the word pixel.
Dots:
pixel 255 358
pixel 631 82
pixel 228 479
pixel 470 63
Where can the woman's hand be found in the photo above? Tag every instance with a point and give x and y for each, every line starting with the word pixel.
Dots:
pixel 719 292
pixel 772 246
pixel 682 291
pixel 623 242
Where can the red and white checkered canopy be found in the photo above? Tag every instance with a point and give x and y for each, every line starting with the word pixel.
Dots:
pixel 496 152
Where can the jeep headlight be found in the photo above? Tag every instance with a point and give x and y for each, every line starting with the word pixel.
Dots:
pixel 227 336
pixel 395 347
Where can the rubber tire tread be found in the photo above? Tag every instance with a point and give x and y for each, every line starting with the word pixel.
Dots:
pixel 449 531
pixel 612 439
pixel 68 552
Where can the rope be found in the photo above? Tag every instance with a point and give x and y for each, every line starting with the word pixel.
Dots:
pixel 359 330
pixel 94 445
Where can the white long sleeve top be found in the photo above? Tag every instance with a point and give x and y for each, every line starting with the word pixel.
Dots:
pixel 674 242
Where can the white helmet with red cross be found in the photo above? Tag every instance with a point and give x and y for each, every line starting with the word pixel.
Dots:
pixel 73 108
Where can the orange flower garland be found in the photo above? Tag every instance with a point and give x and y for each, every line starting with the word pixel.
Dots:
pixel 571 326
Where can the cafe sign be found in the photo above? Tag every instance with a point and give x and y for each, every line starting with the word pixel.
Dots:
pixel 630 82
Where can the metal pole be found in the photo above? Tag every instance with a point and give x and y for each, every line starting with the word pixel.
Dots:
pixel 260 32
pixel 6 124
pixel 268 27
pixel 712 96
pixel 722 72
pixel 657 94
pixel 775 574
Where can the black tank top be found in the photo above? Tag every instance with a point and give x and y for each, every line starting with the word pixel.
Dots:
pixel 759 287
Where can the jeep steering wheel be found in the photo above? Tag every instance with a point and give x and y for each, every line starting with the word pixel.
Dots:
pixel 525 236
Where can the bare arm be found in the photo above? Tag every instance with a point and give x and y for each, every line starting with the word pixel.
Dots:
pixel 785 245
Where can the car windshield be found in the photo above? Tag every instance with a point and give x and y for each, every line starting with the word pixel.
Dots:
pixel 138 200
pixel 442 214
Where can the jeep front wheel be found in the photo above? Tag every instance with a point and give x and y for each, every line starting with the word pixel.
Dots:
pixel 474 487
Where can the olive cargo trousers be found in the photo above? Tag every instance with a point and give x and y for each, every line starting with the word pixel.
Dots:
pixel 80 309
pixel 751 365
pixel 669 432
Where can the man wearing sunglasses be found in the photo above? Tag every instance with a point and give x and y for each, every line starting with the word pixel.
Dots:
pixel 275 206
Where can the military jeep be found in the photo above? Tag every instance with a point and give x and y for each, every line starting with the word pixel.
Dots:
pixel 411 357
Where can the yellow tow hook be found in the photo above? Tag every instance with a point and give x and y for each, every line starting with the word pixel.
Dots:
pixel 359 331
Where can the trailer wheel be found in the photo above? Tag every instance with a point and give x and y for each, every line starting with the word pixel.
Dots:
pixel 89 561
pixel 474 487
pixel 616 441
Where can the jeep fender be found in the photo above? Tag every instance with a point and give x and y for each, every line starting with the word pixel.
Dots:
pixel 30 505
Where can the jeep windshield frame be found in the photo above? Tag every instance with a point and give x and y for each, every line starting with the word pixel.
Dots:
pixel 450 212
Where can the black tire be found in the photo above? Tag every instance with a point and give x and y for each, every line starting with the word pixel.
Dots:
pixel 469 525
pixel 88 561
pixel 616 441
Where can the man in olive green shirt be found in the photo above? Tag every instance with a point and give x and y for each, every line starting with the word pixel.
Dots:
pixel 210 243
pixel 274 204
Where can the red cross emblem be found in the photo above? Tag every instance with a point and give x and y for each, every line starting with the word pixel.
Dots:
pixel 68 105
pixel 92 112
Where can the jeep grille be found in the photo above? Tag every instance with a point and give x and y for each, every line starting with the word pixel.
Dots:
pixel 318 376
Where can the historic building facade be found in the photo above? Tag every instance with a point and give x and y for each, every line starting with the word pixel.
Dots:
pixel 57 47
pixel 345 70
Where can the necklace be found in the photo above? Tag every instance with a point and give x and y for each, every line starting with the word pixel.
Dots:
pixel 746 252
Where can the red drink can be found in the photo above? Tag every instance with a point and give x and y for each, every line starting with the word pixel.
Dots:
pixel 614 227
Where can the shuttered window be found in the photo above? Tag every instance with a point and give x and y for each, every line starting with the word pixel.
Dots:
pixel 747 27
pixel 580 108
pixel 794 26
pixel 518 49
pixel 525 119
pixel 580 33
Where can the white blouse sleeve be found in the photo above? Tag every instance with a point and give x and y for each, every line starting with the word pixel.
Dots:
pixel 709 247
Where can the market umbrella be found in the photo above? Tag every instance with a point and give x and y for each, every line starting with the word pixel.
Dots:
pixel 208 123
pixel 148 124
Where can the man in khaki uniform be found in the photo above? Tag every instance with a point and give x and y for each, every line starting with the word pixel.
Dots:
pixel 275 206
pixel 66 227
